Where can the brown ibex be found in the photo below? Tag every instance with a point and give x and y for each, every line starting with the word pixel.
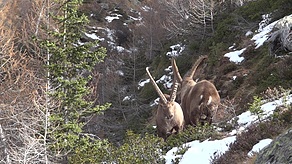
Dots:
pixel 199 100
pixel 169 114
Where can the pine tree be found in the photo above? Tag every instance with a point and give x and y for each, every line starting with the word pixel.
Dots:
pixel 68 60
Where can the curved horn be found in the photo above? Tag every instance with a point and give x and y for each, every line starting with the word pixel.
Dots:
pixel 173 93
pixel 191 73
pixel 176 73
pixel 161 95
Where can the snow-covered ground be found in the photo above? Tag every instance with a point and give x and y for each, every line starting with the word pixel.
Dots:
pixel 260 37
pixel 201 152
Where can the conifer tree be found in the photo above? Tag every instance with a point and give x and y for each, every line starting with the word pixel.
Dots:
pixel 68 60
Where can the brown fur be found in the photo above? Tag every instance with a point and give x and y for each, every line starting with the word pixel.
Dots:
pixel 169 119
pixel 199 101
pixel 169 116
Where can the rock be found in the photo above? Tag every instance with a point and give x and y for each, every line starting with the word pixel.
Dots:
pixel 284 22
pixel 278 151
pixel 281 37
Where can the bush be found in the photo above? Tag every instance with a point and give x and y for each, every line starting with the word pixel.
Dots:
pixel 254 10
pixel 255 107
pixel 135 149
pixel 225 32
pixel 190 133
pixel 268 71
pixel 216 52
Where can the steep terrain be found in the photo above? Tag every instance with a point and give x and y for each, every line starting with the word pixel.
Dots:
pixel 139 34
pixel 238 82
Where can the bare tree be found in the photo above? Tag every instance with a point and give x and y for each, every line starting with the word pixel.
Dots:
pixel 190 17
pixel 23 108
pixel 150 28
pixel 23 101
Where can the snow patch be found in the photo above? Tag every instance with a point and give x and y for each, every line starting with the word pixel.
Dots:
pixel 176 50
pixel 112 17
pixel 94 36
pixel 259 146
pixel 142 83
pixel 200 152
pixel 235 56
pixel 261 37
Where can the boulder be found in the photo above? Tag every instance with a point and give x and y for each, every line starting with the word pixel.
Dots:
pixel 281 37
pixel 284 22
pixel 279 151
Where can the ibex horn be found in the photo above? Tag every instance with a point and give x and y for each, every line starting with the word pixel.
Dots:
pixel 176 73
pixel 173 93
pixel 161 95
pixel 195 66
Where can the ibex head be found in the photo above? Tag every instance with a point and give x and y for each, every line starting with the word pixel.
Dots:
pixel 166 101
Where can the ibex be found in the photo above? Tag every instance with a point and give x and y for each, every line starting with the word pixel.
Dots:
pixel 199 100
pixel 169 114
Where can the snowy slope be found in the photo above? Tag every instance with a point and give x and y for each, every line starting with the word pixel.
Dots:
pixel 201 152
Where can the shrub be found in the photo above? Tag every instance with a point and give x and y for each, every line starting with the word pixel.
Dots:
pixel 216 52
pixel 136 149
pixel 190 133
pixel 253 10
pixel 255 107
pixel 224 29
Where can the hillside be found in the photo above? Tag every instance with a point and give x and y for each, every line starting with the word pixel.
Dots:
pixel 243 62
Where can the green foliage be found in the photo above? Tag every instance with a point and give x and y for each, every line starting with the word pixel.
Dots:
pixel 283 8
pixel 157 70
pixel 255 107
pixel 67 60
pixel 190 133
pixel 225 31
pixel 160 63
pixel 255 9
pixel 136 149
pixel 148 92
pixel 195 45
pixel 216 52
pixel 267 71
pixel 89 150
pixel 180 151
